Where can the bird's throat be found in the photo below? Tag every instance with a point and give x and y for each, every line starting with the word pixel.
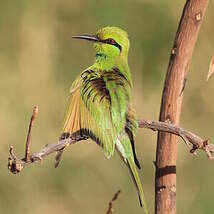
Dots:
pixel 105 61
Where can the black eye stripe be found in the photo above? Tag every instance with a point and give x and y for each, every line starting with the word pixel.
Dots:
pixel 112 42
pixel 118 46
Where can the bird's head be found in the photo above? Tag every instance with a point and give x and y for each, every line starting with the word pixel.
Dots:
pixel 109 42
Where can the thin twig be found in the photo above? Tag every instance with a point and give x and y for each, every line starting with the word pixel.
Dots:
pixel 196 141
pixel 15 165
pixel 27 148
pixel 110 204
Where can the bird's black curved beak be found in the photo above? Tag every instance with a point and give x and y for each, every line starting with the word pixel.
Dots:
pixel 92 38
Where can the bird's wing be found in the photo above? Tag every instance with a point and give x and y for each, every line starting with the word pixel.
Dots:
pixel 97 100
pixel 72 121
pixel 97 107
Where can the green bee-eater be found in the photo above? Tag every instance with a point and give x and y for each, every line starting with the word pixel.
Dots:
pixel 99 104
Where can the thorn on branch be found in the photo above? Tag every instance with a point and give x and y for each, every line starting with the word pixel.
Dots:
pixel 110 205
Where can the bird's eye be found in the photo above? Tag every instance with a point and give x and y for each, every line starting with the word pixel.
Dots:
pixel 111 41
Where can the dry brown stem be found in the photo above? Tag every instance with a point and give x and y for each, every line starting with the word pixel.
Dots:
pixel 15 165
pixel 172 97
pixel 110 204
pixel 33 117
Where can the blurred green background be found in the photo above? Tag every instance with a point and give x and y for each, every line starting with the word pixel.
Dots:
pixel 39 61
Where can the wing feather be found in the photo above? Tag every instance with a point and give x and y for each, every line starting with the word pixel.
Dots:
pixel 97 106
pixel 72 119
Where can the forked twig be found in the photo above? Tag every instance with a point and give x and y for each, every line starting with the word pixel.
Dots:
pixel 110 204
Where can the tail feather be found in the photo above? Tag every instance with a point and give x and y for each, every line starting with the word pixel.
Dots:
pixel 137 182
pixel 131 138
pixel 122 145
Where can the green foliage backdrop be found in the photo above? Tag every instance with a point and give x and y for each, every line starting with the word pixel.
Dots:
pixel 39 61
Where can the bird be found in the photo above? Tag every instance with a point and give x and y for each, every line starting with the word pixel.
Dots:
pixel 99 105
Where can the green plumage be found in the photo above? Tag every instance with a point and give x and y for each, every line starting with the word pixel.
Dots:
pixel 99 104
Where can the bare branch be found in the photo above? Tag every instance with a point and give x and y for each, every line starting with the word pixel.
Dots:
pixel 188 137
pixel 110 205
pixel 15 165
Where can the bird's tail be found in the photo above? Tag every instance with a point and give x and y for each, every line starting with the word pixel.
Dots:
pixel 136 179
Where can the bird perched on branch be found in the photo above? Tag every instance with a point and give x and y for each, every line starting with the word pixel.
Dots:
pixel 99 104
